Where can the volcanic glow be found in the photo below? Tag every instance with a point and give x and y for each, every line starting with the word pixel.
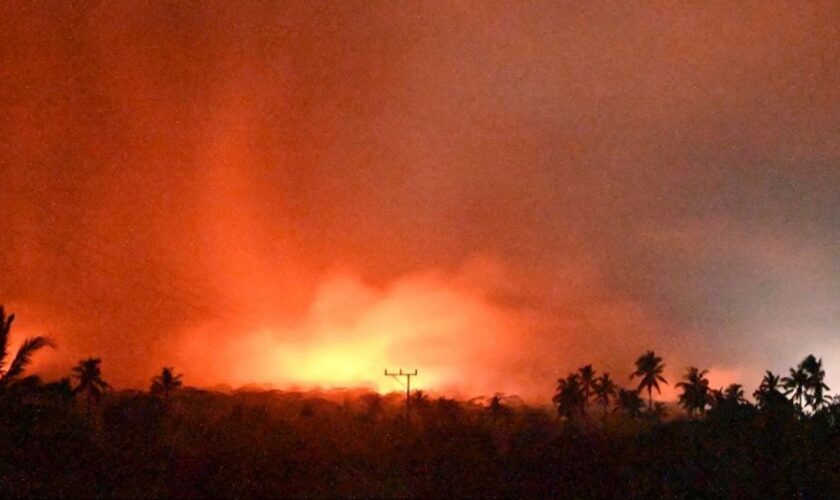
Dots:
pixel 353 332
pixel 303 193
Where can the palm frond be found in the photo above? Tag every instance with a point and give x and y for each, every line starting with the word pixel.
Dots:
pixel 5 327
pixel 101 384
pixel 24 356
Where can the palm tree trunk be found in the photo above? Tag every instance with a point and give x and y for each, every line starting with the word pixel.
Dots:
pixel 650 398
pixel 586 402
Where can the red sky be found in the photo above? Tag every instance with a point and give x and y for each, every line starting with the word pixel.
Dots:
pixel 491 192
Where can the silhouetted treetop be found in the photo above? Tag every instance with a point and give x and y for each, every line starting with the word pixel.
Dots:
pixel 24 354
pixel 166 382
pixel 88 374
pixel 649 369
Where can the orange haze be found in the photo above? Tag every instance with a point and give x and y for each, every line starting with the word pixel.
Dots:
pixel 307 193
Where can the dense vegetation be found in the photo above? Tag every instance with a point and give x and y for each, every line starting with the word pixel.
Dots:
pixel 78 437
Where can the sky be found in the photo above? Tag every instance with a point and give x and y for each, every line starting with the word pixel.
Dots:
pixel 494 193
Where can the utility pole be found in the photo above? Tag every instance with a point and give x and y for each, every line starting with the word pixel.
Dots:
pixel 407 384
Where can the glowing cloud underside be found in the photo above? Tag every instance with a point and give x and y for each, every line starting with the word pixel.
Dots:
pixel 353 332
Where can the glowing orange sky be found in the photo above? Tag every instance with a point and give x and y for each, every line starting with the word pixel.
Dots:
pixel 300 193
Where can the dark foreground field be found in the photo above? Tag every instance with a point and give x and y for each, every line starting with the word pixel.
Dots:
pixel 197 443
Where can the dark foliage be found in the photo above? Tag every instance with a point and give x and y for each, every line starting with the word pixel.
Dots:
pixel 278 444
pixel 57 440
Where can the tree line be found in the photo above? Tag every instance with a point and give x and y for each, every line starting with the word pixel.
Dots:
pixel 86 377
pixel 803 391
pixel 80 437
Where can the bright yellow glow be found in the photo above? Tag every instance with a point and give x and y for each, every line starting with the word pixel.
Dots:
pixel 338 364
pixel 354 332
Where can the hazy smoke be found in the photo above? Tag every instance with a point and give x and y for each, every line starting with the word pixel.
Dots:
pixel 493 194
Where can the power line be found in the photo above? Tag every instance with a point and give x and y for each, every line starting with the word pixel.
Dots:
pixel 407 384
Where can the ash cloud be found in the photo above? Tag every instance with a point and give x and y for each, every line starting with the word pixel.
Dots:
pixel 599 181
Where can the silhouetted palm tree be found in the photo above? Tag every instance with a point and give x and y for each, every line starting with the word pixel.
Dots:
pixel 769 383
pixel 89 376
pixel 629 403
pixel 24 354
pixel 734 393
pixel 729 399
pixel 815 395
pixel 695 395
pixel 167 382
pixel 587 380
pixel 604 390
pixel 796 385
pixel 569 398
pixel 649 368
pixel 768 394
